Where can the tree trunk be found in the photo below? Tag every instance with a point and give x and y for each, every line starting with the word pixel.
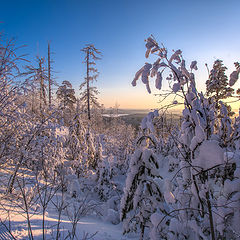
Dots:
pixel 88 90
pixel 49 77
pixel 40 75
pixel 12 179
pixel 210 216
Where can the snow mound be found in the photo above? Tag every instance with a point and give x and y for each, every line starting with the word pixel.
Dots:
pixel 210 155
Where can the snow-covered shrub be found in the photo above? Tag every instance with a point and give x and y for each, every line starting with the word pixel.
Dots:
pixel 104 182
pixel 172 163
pixel 113 216
pixel 77 146
pixel 67 99
pixel 236 133
pixel 225 126
pixel 170 144
pixel 84 146
pixel 12 113
pixel 142 194
pixel 200 202
pixel 118 141
pixel 46 150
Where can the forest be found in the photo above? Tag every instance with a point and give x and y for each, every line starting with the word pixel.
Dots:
pixel 65 168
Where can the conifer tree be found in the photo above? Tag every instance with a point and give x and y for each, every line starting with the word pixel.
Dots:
pixel 217 86
pixel 88 96
pixel 142 195
pixel 66 96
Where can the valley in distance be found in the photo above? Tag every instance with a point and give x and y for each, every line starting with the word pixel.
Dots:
pixel 135 116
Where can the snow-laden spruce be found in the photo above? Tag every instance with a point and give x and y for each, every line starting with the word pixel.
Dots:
pixel 142 193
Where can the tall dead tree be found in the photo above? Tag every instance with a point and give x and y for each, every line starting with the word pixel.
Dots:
pixel 88 96
pixel 42 85
pixel 49 77
pixel 36 78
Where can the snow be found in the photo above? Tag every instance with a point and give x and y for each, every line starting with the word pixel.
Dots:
pixel 156 218
pixel 146 72
pixel 175 56
pixel 113 216
pixel 147 122
pixel 137 75
pixel 106 227
pixel 199 133
pixel 233 78
pixel 169 197
pixel 194 65
pixel 176 87
pixel 87 225
pixel 210 155
pixel 106 182
pixel 194 143
pixel 158 83
pixel 229 157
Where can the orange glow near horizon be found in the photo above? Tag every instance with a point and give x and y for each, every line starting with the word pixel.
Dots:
pixel 138 98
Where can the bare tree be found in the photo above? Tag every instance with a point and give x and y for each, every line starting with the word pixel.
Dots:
pixel 36 78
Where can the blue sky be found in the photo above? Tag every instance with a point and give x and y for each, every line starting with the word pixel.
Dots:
pixel 204 30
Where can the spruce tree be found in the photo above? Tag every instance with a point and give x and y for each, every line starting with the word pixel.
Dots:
pixel 66 96
pixel 217 86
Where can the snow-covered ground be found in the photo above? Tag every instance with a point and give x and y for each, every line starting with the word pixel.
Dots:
pixel 86 227
pixel 14 217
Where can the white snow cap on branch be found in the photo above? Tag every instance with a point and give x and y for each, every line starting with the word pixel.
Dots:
pixel 176 87
pixel 155 68
pixel 168 195
pixel 145 72
pixel 137 76
pixel 158 82
pixel 147 122
pixel 184 70
pixel 194 65
pixel 233 78
pixel 178 70
pixel 151 43
pixel 176 56
pixel 210 155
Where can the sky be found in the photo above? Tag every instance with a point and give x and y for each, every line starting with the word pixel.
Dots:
pixel 203 30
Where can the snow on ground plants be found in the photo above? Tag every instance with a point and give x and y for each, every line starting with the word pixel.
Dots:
pixel 87 211
pixel 202 199
pixel 66 173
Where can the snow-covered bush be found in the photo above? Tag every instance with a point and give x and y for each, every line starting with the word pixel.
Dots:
pixel 118 141
pixel 200 202
pixel 11 114
pixel 236 133
pixel 104 183
pixel 77 146
pixel 142 194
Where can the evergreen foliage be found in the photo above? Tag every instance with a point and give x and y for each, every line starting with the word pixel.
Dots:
pixel 89 95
